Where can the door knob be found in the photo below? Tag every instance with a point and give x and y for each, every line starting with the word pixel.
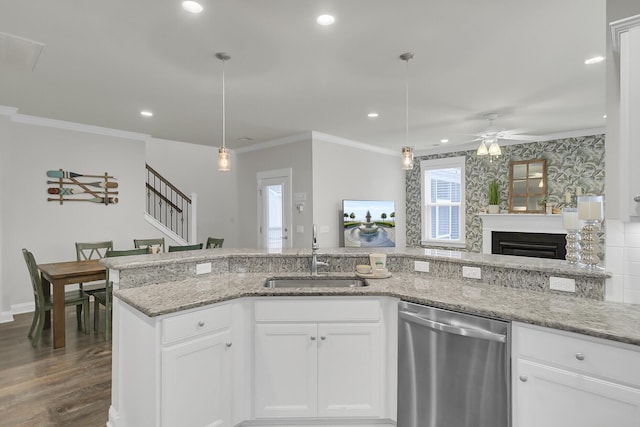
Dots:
pixel 313 338
pixel 323 338
pixel 523 378
pixel 229 344
pixel 201 323
pixel 580 356
pixel 637 198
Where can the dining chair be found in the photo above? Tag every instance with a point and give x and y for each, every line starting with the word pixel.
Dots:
pixel 214 242
pixel 150 244
pixel 92 250
pixel 106 298
pixel 185 248
pixel 45 303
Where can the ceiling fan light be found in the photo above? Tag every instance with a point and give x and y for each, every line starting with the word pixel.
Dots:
pixel 407 158
pixel 494 149
pixel 482 149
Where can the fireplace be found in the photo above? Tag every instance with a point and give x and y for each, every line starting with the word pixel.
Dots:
pixel 538 245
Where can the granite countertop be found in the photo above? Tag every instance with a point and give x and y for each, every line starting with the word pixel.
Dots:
pixel 553 266
pixel 615 321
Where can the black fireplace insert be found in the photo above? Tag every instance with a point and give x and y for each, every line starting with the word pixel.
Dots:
pixel 538 245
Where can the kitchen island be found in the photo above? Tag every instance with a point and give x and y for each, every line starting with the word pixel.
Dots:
pixel 147 308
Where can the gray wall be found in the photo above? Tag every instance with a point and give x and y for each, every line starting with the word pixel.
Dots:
pixel 347 170
pixel 296 155
pixel 571 163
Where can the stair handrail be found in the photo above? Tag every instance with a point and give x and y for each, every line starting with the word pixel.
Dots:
pixel 161 191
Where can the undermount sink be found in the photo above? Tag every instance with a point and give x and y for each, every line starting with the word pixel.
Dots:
pixel 314 282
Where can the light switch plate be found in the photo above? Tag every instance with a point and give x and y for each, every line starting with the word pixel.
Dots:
pixel 562 284
pixel 203 268
pixel 422 266
pixel 471 272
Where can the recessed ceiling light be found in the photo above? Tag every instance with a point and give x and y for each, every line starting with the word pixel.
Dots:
pixel 444 141
pixel 325 19
pixel 146 113
pixel 594 60
pixel 604 117
pixel 373 115
pixel 192 6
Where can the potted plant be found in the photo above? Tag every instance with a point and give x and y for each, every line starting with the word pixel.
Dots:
pixel 542 203
pixel 494 197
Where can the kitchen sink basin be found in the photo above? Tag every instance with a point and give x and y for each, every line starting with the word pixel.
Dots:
pixel 314 282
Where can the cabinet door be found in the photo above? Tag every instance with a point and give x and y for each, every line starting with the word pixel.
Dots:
pixel 285 370
pixel 196 382
pixel 552 397
pixel 350 370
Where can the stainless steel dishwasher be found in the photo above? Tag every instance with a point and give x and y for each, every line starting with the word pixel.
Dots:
pixel 453 369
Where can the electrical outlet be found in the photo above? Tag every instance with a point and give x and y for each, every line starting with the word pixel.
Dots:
pixel 562 284
pixel 471 272
pixel 203 268
pixel 422 266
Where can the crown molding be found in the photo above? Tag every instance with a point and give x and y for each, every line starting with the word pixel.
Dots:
pixel 504 142
pixel 354 144
pixel 299 137
pixel 622 26
pixel 76 127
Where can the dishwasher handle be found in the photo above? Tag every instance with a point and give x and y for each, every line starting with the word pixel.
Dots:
pixel 457 330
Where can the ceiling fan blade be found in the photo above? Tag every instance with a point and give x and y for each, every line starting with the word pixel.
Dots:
pixel 519 137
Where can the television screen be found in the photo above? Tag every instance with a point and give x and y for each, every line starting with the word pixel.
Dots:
pixel 369 223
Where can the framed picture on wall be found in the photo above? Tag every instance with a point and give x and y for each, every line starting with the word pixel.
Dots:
pixel 369 223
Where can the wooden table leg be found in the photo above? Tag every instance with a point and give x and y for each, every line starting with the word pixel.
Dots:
pixel 58 316
pixel 46 293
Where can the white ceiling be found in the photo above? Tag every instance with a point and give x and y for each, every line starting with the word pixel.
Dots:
pixel 104 61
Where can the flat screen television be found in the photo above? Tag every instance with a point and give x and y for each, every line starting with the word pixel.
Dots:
pixel 369 223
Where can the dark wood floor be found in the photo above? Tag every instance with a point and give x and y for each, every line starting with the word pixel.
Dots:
pixel 41 386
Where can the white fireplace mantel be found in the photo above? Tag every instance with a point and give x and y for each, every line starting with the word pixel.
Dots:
pixel 524 223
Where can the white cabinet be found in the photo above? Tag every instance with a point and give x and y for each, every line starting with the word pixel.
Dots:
pixel 175 370
pixel 626 42
pixel 562 379
pixel 324 359
pixel 196 381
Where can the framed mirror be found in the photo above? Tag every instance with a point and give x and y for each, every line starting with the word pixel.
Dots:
pixel 527 185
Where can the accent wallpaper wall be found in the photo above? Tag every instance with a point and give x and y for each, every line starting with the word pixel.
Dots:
pixel 571 163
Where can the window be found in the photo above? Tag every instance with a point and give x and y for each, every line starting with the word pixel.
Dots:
pixel 443 210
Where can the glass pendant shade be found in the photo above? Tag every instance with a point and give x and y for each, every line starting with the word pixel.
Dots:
pixel 407 158
pixel 482 149
pixel 224 161
pixel 494 149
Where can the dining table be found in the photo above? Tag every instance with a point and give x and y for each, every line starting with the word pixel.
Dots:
pixel 56 276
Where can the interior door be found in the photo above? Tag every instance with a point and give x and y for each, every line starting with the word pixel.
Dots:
pixel 274 206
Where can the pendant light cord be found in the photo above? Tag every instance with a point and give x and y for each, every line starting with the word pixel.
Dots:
pixel 224 120
pixel 406 135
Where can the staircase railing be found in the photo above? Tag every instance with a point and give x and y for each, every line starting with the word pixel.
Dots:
pixel 169 206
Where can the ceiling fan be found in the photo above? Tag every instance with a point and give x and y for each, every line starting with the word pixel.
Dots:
pixel 490 136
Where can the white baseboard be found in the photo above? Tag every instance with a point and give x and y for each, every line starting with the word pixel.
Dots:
pixel 25 307
pixel 319 422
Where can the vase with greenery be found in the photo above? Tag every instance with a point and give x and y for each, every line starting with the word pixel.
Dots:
pixel 494 197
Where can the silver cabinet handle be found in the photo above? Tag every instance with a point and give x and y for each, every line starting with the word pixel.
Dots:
pixel 580 356
pixel 229 344
pixel 323 338
pixel 201 323
pixel 466 332
pixel 637 199
pixel 523 378
pixel 313 338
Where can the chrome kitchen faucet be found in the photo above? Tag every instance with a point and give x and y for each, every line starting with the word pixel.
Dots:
pixel 314 254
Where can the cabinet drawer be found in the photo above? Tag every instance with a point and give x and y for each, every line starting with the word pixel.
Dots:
pixel 307 309
pixel 196 322
pixel 593 356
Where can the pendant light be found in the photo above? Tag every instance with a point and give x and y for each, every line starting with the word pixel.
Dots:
pixel 224 160
pixel 407 151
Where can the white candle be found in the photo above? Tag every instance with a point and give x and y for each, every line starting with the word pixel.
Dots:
pixel 567 197
pixel 578 191
pixel 570 219
pixel 590 208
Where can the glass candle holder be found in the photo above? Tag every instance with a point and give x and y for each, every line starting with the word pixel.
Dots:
pixel 591 211
pixel 571 223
